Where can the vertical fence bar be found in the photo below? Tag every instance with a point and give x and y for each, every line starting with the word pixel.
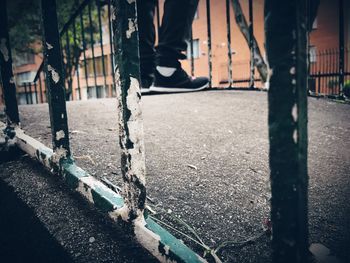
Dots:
pixel 111 42
pixel 8 83
pixel 101 43
pixel 92 43
pixel 192 55
pixel 36 93
pixel 77 58
pixel 127 74
pixel 229 49
pixel 288 128
pixel 157 17
pixel 209 43
pixel 30 92
pixel 341 47
pixel 26 92
pixel 251 45
pixel 84 49
pixel 55 79
pixel 68 64
pixel 40 89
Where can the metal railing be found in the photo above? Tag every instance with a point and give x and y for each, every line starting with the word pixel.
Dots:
pixel 287 111
pixel 87 51
pixel 325 74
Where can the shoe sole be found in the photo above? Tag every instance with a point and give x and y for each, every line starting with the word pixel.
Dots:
pixel 176 90
pixel 145 91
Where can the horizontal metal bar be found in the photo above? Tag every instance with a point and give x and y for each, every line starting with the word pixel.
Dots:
pixel 157 240
pixel 328 75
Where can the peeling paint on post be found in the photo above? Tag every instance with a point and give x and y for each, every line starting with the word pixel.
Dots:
pixel 9 87
pixel 127 81
pixel 286 37
pixel 55 81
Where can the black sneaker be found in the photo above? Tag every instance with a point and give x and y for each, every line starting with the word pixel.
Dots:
pixel 179 81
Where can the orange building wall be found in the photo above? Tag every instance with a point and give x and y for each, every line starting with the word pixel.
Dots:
pixel 325 36
pixel 240 56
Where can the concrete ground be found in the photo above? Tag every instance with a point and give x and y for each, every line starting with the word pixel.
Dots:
pixel 207 161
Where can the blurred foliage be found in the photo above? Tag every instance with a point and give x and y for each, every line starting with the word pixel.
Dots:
pixel 347 88
pixel 24 18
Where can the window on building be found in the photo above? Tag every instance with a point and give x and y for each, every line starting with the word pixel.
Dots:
pixel 98 66
pixel 23 59
pixel 96 92
pixel 105 34
pixel 195 49
pixel 23 98
pixel 27 76
pixel 313 54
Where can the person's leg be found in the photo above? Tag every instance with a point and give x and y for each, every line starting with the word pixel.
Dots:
pixel 145 15
pixel 173 36
pixel 175 31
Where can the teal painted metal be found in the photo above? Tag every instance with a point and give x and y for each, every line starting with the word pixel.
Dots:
pixel 55 79
pixel 127 81
pixel 170 246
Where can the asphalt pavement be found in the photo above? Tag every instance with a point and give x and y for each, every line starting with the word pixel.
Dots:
pixel 207 162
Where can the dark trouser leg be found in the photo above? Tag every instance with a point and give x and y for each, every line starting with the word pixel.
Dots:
pixel 175 30
pixel 145 14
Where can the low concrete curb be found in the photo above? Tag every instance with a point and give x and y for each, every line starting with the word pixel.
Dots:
pixel 158 241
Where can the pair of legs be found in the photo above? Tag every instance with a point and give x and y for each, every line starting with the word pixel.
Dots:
pixel 173 36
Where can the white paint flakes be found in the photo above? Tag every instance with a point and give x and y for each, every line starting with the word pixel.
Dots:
pixel 131 1
pixel 295 113
pixel 55 76
pixel 132 27
pixel 60 135
pixel 59 154
pixel 12 80
pixel 137 164
pixel 84 190
pixel 148 239
pixel 295 136
pixel 3 49
pixel 49 46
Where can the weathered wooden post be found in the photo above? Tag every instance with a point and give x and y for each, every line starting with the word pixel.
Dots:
pixel 127 80
pixel 55 80
pixel 9 86
pixel 286 46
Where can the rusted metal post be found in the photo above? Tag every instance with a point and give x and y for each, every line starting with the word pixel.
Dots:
pixel 111 43
pixel 229 50
pixel 286 48
pixel 8 83
pixel 127 81
pixel 251 45
pixel 210 63
pixel 191 51
pixel 55 80
pixel 341 47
